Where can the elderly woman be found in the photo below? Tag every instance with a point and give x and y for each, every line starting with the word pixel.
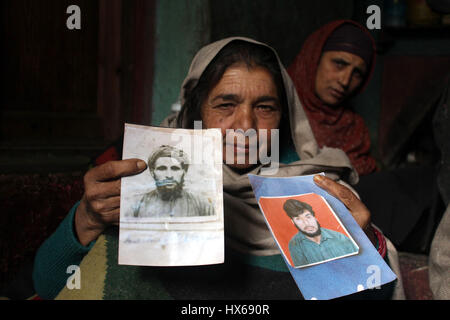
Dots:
pixel 235 83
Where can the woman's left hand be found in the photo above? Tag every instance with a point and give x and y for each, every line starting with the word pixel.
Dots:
pixel 358 210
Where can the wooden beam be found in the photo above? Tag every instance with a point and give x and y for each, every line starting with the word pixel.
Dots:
pixel 143 60
pixel 109 68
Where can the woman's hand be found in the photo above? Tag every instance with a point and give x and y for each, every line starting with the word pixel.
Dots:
pixel 100 205
pixel 358 210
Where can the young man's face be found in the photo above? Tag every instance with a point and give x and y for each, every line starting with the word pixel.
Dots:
pixel 307 223
pixel 168 173
pixel 338 76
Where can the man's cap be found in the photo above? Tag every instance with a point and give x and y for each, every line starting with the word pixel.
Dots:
pixel 169 152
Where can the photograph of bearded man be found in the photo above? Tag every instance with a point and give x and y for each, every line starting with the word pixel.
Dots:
pixel 168 167
pixel 314 244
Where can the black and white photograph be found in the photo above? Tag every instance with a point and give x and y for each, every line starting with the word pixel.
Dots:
pixel 174 209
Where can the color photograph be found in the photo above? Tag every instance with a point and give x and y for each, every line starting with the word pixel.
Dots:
pixel 307 229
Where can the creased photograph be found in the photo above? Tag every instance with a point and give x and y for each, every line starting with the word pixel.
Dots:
pixel 172 213
pixel 307 229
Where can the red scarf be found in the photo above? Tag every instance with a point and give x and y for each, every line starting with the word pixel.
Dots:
pixel 336 127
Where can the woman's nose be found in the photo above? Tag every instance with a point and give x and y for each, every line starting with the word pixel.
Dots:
pixel 345 78
pixel 245 118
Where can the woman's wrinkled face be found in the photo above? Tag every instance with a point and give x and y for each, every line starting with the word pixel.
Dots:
pixel 338 76
pixel 244 98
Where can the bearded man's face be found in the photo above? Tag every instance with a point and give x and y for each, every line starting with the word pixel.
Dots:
pixel 307 224
pixel 168 175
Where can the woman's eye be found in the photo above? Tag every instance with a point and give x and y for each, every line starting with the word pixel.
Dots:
pixel 339 64
pixel 225 106
pixel 358 74
pixel 267 108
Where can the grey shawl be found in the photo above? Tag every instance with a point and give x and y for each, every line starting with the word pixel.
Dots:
pixel 439 262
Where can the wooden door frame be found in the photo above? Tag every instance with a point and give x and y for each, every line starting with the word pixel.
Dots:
pixel 114 105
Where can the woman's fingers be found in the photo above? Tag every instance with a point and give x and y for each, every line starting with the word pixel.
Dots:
pixel 348 198
pixel 112 216
pixel 100 205
pixel 339 191
pixel 102 185
pixel 102 190
pixel 104 206
pixel 115 170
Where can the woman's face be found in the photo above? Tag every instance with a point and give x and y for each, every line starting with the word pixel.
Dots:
pixel 338 76
pixel 244 98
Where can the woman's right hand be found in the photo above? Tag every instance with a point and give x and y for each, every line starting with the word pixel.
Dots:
pixel 356 207
pixel 100 205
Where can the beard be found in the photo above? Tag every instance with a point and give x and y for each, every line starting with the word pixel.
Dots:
pixel 316 233
pixel 169 193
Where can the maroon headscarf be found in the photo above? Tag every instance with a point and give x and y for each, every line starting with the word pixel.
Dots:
pixel 336 127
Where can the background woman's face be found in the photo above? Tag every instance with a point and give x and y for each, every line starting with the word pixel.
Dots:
pixel 244 98
pixel 338 76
